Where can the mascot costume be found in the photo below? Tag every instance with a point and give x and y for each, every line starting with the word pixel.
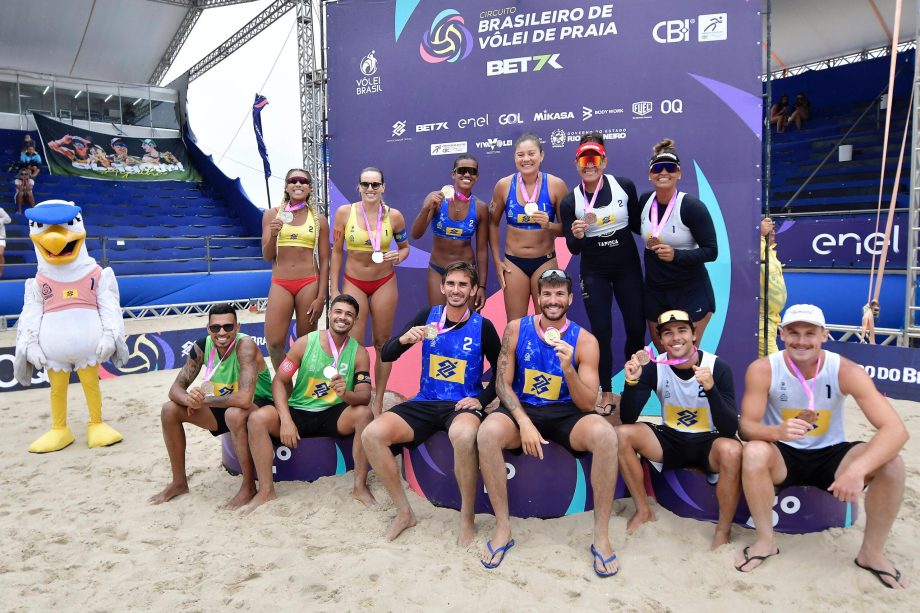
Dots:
pixel 71 320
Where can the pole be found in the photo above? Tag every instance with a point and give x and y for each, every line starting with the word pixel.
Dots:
pixel 767 170
pixel 268 194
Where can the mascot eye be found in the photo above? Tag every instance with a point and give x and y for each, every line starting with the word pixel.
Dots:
pixel 77 219
pixel 70 223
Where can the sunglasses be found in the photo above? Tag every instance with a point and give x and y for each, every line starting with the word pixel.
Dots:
pixel 673 315
pixel 215 328
pixel 299 181
pixel 553 272
pixel 466 170
pixel 660 167
pixel 370 184
pixel 589 159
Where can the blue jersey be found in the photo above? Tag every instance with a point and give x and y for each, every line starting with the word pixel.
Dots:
pixel 452 362
pixel 445 227
pixel 514 210
pixel 538 375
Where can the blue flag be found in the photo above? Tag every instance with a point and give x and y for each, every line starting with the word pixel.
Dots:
pixel 257 106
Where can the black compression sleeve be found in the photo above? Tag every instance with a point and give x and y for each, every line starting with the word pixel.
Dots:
pixel 721 398
pixel 694 215
pixel 634 397
pixel 633 206
pixel 491 347
pixel 392 349
pixel 567 212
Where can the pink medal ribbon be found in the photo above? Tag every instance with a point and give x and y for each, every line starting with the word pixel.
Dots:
pixel 291 209
pixel 589 206
pixel 669 361
pixel 459 196
pixel 210 368
pixel 539 319
pixel 440 324
pixel 375 240
pixel 528 198
pixel 333 370
pixel 809 391
pixel 658 227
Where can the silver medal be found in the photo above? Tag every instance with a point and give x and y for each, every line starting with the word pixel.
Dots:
pixel 377 257
pixel 208 389
pixel 329 372
pixel 448 191
pixel 530 208
pixel 552 335
pixel 286 216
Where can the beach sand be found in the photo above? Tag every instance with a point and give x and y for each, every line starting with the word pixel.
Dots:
pixel 76 533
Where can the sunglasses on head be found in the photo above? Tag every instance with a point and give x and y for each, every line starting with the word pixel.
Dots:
pixel 660 167
pixel 589 159
pixel 466 170
pixel 553 272
pixel 370 184
pixel 673 315
pixel 215 328
pixel 300 181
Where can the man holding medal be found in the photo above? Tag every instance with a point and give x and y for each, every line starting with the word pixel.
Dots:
pixel 792 416
pixel 236 381
pixel 547 382
pixel 700 420
pixel 328 398
pixel 455 344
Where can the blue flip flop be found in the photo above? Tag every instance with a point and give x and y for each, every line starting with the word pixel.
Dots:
pixel 604 562
pixel 495 552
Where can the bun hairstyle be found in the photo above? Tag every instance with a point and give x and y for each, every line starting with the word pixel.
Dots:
pixel 664 151
pixel 592 137
pixel 665 146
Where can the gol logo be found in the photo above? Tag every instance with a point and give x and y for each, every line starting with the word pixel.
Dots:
pixel 447 40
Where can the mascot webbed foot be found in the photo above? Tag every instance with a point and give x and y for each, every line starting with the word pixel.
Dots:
pixel 102 435
pixel 54 439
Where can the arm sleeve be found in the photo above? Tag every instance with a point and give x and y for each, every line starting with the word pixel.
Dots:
pixel 635 396
pixel 697 218
pixel 392 349
pixel 491 347
pixel 567 212
pixel 722 402
pixel 633 205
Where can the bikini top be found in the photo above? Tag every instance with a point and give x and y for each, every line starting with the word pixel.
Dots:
pixel 299 236
pixel 357 238
pixel 443 226
pixel 514 205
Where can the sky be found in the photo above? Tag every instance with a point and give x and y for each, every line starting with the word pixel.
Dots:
pixel 220 101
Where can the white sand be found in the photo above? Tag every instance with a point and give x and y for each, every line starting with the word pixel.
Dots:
pixel 77 534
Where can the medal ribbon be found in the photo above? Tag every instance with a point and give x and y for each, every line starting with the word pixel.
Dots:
pixel 336 351
pixel 523 190
pixel 589 206
pixel 809 391
pixel 440 324
pixel 209 369
pixel 658 227
pixel 670 361
pixel 291 209
pixel 539 319
pixel 375 241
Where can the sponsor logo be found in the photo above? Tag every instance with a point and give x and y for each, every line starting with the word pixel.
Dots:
pixel 431 127
pixel 368 83
pixel 672 31
pixel 672 106
pixel 473 122
pixel 641 109
pixel 557 138
pixel 587 112
pixel 516 65
pixel 712 27
pixel 368 64
pixel 615 134
pixel 552 116
pixel 823 244
pixel 509 119
pixel 449 148
pixel 493 144
pixel 399 128
pixel 686 418
pixel 447 368
pixel 447 39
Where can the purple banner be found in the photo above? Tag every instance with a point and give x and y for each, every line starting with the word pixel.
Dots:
pixel 845 241
pixel 415 82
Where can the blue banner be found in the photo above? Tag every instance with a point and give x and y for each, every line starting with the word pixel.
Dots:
pixel 840 241
pixel 257 106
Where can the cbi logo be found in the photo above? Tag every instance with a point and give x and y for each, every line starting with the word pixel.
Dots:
pixel 712 27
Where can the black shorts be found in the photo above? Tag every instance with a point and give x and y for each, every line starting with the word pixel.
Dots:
pixel 221 421
pixel 815 467
pixel 696 298
pixel 681 449
pixel 318 423
pixel 263 402
pixel 554 422
pixel 427 417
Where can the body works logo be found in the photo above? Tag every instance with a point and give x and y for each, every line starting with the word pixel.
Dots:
pixel 368 83
pixel 447 40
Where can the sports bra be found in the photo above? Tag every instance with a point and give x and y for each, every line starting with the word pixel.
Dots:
pixel 299 236
pixel 514 210
pixel 444 227
pixel 356 237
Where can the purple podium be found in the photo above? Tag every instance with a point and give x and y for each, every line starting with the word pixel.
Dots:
pixel 796 510
pixel 557 485
pixel 316 457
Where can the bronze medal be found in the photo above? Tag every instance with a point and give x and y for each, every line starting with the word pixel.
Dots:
pixel 652 241
pixel 590 219
pixel 643 357
pixel 809 416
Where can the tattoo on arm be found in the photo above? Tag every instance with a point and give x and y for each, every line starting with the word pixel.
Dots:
pixel 191 369
pixel 505 393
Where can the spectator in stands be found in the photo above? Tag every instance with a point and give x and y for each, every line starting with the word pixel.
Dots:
pixel 31 159
pixel 776 289
pixel 24 185
pixel 26 141
pixel 4 219
pixel 779 113
pixel 800 111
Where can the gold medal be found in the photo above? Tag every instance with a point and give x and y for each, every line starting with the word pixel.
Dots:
pixel 431 332
pixel 448 191
pixel 530 208
pixel 377 257
pixel 643 357
pixel 652 241
pixel 590 219
pixel 208 389
pixel 552 336
pixel 329 372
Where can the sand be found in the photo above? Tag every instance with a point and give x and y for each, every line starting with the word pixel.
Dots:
pixel 76 534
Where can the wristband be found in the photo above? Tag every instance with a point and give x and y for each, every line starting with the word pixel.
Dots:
pixel 632 381
pixel 288 367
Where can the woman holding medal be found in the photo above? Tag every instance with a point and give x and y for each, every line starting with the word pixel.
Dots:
pixel 598 218
pixel 370 269
pixel 529 200
pixel 455 216
pixel 295 239
pixel 680 238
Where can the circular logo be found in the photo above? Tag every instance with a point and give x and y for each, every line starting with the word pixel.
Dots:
pixel 447 40
pixel 368 64
pixel 557 137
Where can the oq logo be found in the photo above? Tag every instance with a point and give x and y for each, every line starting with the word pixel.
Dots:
pixel 447 40
pixel 368 64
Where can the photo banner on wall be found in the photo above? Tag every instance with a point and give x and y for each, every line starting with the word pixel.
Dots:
pixel 414 83
pixel 70 150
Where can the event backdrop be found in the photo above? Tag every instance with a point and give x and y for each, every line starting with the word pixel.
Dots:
pixel 70 150
pixel 413 83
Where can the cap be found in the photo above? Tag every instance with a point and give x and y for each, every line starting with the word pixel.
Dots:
pixel 590 148
pixel 804 313
pixel 664 156
pixel 673 315
pixel 149 141
pixel 117 141
pixel 53 211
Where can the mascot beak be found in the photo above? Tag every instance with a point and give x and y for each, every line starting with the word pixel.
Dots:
pixel 59 245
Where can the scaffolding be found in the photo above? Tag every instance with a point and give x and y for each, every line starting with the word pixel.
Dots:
pixel 910 336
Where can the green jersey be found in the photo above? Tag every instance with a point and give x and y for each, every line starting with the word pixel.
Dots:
pixel 226 377
pixel 312 391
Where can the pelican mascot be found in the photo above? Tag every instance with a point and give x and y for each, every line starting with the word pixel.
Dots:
pixel 71 320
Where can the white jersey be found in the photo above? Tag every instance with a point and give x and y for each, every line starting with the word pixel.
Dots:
pixel 787 399
pixel 610 218
pixel 674 232
pixel 685 406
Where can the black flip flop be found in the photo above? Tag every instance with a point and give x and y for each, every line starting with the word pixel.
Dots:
pixel 880 573
pixel 606 410
pixel 748 559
